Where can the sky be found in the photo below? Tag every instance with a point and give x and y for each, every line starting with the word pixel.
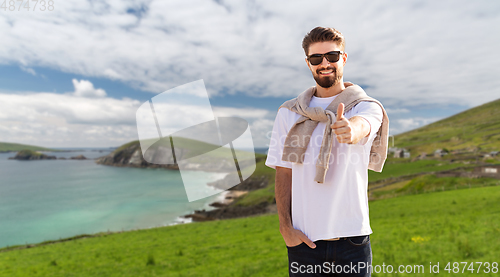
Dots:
pixel 74 74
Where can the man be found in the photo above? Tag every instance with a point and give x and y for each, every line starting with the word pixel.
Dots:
pixel 322 145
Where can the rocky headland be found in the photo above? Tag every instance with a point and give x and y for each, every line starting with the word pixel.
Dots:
pixel 27 155
pixel 79 157
pixel 30 155
pixel 130 155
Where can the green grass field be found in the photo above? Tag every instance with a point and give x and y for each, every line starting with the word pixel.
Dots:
pixel 393 168
pixel 14 147
pixel 452 226
pixel 430 183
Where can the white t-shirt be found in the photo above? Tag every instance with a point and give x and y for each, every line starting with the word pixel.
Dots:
pixel 339 206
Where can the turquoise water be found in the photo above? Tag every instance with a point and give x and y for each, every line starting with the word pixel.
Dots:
pixel 52 199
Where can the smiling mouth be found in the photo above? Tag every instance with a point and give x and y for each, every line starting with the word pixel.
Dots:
pixel 326 72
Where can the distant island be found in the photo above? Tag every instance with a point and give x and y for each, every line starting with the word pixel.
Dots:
pixel 28 155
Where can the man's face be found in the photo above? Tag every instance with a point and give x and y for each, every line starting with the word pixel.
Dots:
pixel 327 74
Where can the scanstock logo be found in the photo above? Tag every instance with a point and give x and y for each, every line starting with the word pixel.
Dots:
pixel 178 127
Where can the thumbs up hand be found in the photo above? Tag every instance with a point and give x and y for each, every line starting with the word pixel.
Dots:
pixel 350 131
pixel 342 127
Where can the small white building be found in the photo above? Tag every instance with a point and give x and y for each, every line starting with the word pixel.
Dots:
pixel 401 153
pixel 439 153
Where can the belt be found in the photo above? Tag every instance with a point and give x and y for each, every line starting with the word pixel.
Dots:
pixel 334 239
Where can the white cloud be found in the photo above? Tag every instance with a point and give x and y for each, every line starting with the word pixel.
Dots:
pixel 407 53
pixel 85 117
pixel 65 120
pixel 407 124
pixel 75 119
pixel 396 111
pixel 261 132
pixel 85 88
pixel 110 73
pixel 28 70
pixel 259 125
pixel 246 113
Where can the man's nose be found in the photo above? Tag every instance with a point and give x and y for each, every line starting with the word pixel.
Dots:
pixel 325 62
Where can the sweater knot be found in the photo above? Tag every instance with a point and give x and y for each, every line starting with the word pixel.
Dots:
pixel 317 114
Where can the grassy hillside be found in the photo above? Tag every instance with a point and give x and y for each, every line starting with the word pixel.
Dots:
pixel 394 168
pixel 14 147
pixel 475 129
pixel 453 226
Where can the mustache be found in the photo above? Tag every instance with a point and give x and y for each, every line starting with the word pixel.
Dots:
pixel 326 68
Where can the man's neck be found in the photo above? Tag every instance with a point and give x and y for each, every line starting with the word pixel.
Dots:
pixel 331 91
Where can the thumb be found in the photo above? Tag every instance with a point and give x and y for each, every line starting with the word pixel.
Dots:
pixel 306 240
pixel 340 111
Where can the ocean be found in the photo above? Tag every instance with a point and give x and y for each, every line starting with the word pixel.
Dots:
pixel 52 199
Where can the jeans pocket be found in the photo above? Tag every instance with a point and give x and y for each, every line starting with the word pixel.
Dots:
pixel 359 240
pixel 296 246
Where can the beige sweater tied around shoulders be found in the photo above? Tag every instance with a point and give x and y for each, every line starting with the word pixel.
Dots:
pixel 300 134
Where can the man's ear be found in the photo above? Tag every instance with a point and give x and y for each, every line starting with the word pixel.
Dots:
pixel 344 57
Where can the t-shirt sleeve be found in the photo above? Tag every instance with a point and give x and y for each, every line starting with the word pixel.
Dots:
pixel 278 136
pixel 372 113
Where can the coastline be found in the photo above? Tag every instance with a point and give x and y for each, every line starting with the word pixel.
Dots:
pixel 225 199
pixel 227 207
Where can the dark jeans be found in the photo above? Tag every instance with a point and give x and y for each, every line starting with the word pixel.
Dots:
pixel 345 257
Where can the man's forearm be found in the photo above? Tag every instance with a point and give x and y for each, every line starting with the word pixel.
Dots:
pixel 361 128
pixel 283 194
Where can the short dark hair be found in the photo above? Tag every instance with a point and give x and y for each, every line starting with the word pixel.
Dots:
pixel 320 34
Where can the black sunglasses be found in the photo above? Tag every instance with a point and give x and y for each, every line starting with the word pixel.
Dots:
pixel 332 57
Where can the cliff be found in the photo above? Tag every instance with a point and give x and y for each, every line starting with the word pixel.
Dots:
pixel 130 155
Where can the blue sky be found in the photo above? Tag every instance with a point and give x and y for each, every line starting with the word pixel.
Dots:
pixel 75 76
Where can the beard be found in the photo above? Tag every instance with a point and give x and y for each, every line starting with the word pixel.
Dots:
pixel 328 81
